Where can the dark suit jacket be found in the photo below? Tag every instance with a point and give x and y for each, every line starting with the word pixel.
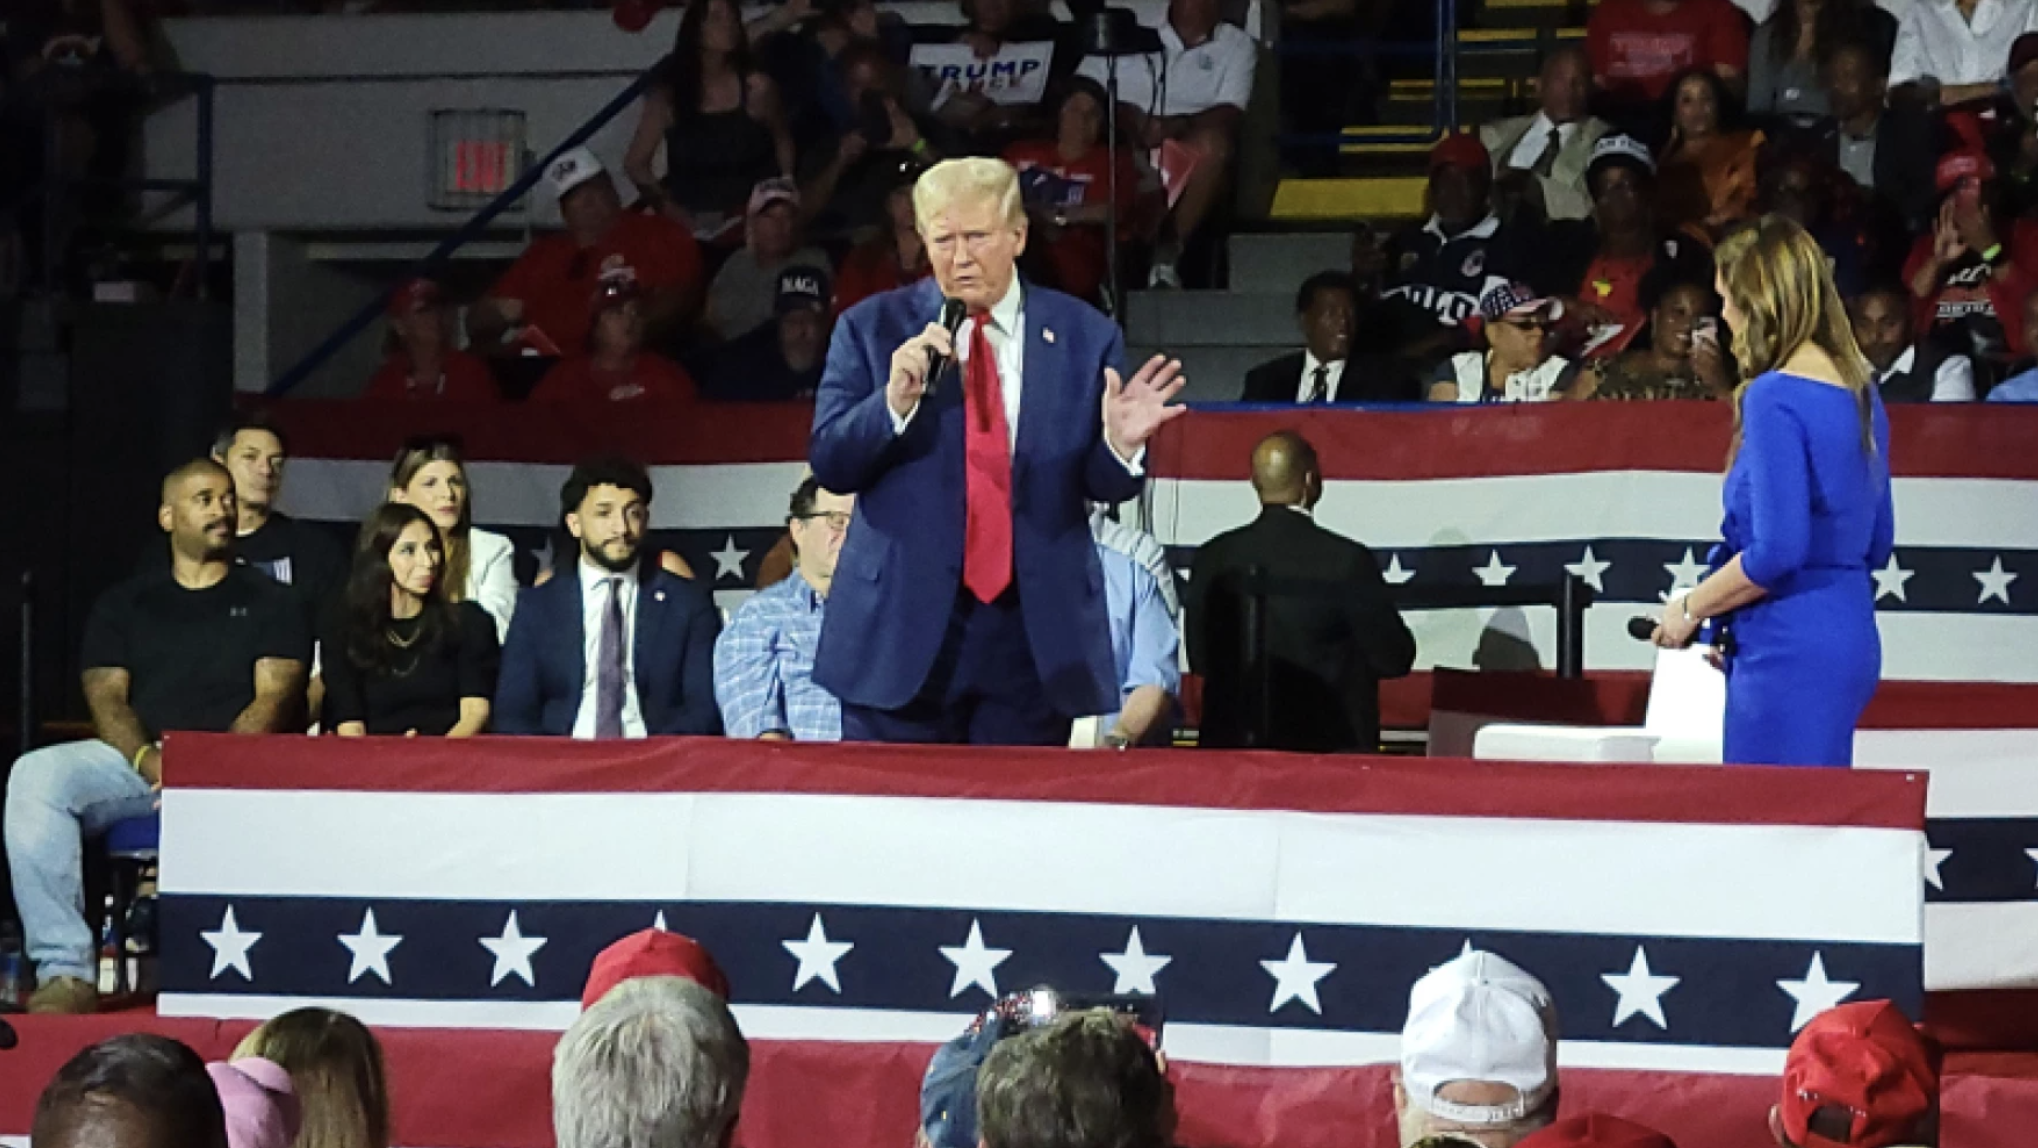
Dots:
pixel 544 662
pixel 1367 378
pixel 901 566
pixel 1327 652
pixel 1906 150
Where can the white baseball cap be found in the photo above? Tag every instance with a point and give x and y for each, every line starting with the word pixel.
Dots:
pixel 572 169
pixel 1479 1017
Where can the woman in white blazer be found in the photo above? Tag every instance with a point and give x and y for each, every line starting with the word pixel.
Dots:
pixel 431 475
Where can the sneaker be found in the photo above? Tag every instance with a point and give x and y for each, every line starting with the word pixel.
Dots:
pixel 1163 277
pixel 65 995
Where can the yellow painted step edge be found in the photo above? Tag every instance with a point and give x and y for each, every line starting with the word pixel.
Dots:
pixel 1299 200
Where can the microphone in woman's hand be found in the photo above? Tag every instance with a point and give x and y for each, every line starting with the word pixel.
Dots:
pixel 1642 629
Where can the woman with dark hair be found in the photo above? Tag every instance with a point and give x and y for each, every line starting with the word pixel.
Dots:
pixel 1808 512
pixel 718 118
pixel 889 260
pixel 431 475
pixel 1066 183
pixel 400 659
pixel 1706 181
pixel 1679 356
pixel 1786 51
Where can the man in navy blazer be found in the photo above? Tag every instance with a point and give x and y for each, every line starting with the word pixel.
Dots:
pixel 612 646
pixel 968 604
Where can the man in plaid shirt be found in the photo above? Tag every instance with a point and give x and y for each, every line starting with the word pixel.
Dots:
pixel 764 660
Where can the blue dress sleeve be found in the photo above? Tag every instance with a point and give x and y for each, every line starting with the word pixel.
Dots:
pixel 1775 453
pixel 1883 542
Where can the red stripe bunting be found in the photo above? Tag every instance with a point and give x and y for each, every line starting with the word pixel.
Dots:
pixel 1457 442
pixel 1215 780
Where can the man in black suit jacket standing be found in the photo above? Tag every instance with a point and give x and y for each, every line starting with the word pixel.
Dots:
pixel 1332 631
pixel 1325 371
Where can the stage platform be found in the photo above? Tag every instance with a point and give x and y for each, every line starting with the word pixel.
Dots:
pixel 491 1089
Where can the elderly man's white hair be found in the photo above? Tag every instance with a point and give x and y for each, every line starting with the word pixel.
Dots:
pixel 656 1063
pixel 975 180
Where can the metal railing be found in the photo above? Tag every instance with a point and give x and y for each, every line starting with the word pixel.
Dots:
pixel 360 320
pixel 1257 588
pixel 54 190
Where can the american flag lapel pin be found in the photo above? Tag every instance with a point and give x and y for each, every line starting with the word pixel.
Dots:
pixel 660 595
pixel 1047 333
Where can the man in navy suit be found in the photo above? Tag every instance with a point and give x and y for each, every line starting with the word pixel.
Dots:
pixel 968 604
pixel 614 647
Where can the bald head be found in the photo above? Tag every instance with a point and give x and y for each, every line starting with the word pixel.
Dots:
pixel 174 481
pixel 1285 472
pixel 135 1091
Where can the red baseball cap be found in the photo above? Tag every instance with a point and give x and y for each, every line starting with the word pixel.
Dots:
pixel 1460 150
pixel 414 296
pixel 1955 166
pixel 653 953
pixel 1867 1060
pixel 1597 1130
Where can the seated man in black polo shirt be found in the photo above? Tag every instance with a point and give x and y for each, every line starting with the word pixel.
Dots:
pixel 206 645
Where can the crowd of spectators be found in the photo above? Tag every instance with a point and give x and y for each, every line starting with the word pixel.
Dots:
pixel 657 1059
pixel 1567 254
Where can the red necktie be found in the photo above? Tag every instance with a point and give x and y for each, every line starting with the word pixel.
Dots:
pixel 987 462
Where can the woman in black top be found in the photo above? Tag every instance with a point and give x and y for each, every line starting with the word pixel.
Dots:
pixel 400 659
pixel 720 121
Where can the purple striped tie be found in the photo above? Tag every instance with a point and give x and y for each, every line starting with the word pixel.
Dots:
pixel 608 681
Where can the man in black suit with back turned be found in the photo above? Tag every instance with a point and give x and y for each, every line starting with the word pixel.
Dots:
pixel 1325 370
pixel 1332 629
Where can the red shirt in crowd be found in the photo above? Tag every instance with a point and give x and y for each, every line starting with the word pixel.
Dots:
pixel 554 279
pixel 1990 307
pixel 650 377
pixel 871 269
pixel 462 378
pixel 1636 53
pixel 1077 254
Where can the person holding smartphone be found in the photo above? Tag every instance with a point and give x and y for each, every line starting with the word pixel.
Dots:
pixel 1679 357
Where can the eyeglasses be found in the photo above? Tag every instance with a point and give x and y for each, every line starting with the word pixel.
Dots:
pixel 837 520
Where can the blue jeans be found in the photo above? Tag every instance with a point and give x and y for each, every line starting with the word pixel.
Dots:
pixel 55 798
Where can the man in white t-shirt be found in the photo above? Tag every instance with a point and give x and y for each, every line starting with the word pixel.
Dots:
pixel 1193 91
pixel 1963 47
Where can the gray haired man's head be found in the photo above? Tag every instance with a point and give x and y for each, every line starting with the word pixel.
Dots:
pixel 657 1063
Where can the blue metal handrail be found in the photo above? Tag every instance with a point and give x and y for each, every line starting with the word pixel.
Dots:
pixel 358 322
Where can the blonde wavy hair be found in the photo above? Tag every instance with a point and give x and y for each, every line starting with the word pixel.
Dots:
pixel 335 1064
pixel 975 180
pixel 1781 284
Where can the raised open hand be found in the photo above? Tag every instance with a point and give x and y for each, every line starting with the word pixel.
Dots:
pixel 1137 407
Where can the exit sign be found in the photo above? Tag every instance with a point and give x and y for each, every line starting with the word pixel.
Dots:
pixel 475 155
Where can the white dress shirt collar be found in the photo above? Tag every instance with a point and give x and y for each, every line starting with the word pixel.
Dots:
pixel 1901 365
pixel 594 602
pixel 1331 378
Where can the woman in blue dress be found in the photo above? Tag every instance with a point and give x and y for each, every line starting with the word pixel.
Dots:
pixel 1808 510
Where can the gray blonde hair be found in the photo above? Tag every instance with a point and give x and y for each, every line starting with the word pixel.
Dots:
pixel 976 179
pixel 656 1063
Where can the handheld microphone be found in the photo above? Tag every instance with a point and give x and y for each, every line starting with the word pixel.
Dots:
pixel 1642 629
pixel 953 312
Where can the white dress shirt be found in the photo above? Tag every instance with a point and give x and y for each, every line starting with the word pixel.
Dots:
pixel 1953 382
pixel 1006 333
pixel 594 602
pixel 1935 40
pixel 1330 380
pixel 1537 139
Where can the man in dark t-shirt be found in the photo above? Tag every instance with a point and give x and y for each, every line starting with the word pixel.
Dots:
pixel 782 360
pixel 207 645
pixel 299 556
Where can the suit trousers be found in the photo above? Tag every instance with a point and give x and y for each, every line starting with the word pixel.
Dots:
pixel 984 688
